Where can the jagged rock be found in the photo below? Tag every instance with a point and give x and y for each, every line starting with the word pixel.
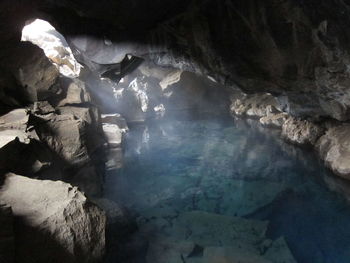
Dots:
pixel 256 105
pixel 333 148
pixel 75 92
pixel 274 119
pixel 13 125
pixel 301 131
pixel 7 236
pixel 170 79
pixel 57 219
pixel 64 135
pixel 43 108
pixel 35 73
pixel 56 48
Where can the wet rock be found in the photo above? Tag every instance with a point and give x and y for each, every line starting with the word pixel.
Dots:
pixel 333 148
pixel 301 131
pixel 7 236
pixel 114 127
pixel 231 254
pixel 61 224
pixel 115 118
pixel 278 252
pixel 114 159
pixel 276 120
pixel 113 133
pixel 254 105
pixel 207 229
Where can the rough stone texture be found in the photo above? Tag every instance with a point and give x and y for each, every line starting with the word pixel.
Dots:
pixel 61 224
pixel 75 93
pixel 13 125
pixel 333 148
pixel 256 105
pixel 277 119
pixel 301 131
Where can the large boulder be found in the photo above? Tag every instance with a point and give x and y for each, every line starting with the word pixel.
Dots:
pixel 54 222
pixel 334 149
pixel 301 131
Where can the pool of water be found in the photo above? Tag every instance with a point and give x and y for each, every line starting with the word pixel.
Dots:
pixel 219 190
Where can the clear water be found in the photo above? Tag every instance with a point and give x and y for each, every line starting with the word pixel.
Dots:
pixel 209 190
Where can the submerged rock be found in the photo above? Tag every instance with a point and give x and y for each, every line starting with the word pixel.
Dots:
pixel 201 237
pixel 54 222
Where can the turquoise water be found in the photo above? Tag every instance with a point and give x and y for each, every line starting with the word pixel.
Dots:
pixel 214 191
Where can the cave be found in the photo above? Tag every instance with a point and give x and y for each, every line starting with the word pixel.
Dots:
pixel 173 131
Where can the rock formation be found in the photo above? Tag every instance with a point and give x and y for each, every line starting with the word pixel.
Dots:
pixel 53 221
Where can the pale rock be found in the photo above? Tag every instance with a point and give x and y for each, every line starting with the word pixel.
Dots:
pixel 113 133
pixel 75 93
pixel 253 105
pixel 54 222
pixel 274 119
pixel 56 48
pixel 115 118
pixel 13 125
pixel 334 149
pixel 170 79
pixel 301 131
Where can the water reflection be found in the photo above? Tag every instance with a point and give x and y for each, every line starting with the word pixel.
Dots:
pixel 211 190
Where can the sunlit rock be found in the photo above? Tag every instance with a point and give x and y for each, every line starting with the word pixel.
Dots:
pixel 75 92
pixel 13 125
pixel 44 35
pixel 61 224
pixel 170 79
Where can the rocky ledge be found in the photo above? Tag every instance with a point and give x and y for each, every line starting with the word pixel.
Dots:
pixel 330 139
